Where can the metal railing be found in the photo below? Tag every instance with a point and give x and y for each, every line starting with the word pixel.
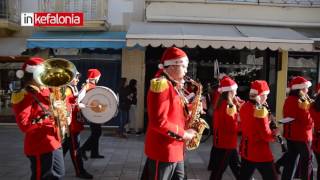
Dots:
pixel 10 10
pixel 92 9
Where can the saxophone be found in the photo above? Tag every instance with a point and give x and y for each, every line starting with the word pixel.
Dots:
pixel 195 122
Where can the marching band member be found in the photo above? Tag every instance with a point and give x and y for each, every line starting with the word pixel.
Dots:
pixel 315 114
pixel 167 114
pixel 92 143
pixel 256 134
pixel 72 143
pixel 42 143
pixel 225 135
pixel 299 131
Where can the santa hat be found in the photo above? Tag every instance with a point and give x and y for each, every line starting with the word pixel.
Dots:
pixel 259 87
pixel 30 66
pixel 93 74
pixel 299 82
pixel 173 56
pixel 227 84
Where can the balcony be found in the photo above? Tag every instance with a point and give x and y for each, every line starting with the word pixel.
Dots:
pixel 95 13
pixel 10 11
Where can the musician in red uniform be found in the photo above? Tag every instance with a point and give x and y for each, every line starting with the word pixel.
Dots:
pixel 299 131
pixel 72 143
pixel 315 114
pixel 92 143
pixel 256 134
pixel 42 143
pixel 167 115
pixel 225 128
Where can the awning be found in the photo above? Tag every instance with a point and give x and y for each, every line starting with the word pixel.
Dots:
pixel 12 46
pixel 312 33
pixel 92 40
pixel 216 36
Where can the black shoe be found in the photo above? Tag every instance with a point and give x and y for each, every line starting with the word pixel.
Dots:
pixel 97 156
pixel 85 175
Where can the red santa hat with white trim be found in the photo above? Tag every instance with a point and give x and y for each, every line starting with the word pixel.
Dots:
pixel 30 66
pixel 227 84
pixel 93 74
pixel 299 82
pixel 259 87
pixel 173 56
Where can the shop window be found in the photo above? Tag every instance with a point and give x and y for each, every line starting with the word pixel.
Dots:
pixel 304 65
pixel 8 83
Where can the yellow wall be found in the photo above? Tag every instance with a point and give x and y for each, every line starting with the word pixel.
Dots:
pixel 281 83
pixel 133 67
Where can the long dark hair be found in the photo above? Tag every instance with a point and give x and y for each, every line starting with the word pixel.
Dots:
pixel 223 96
pixel 295 92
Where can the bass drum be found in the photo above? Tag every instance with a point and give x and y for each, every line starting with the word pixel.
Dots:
pixel 101 105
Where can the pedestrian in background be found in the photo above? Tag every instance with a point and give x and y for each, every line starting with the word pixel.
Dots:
pixel 124 106
pixel 132 88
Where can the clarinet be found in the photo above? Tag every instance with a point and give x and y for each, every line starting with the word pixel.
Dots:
pixel 273 126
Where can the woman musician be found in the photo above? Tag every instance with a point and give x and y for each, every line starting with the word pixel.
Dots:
pixel 256 135
pixel 315 114
pixel 225 136
pixel 298 132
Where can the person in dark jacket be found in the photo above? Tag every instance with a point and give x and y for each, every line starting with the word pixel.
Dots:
pixel 124 106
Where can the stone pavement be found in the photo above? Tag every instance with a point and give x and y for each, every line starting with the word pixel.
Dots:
pixel 124 158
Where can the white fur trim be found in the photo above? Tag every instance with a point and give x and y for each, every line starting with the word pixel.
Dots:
pixel 180 61
pixel 228 88
pixel 160 66
pixel 31 69
pixel 253 91
pixel 301 86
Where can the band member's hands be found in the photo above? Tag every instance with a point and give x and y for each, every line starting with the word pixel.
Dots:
pixel 189 134
pixel 81 105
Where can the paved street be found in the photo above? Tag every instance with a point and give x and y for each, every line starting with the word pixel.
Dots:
pixel 124 158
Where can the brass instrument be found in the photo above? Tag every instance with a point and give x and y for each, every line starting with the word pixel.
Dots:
pixel 273 125
pixel 55 74
pixel 195 122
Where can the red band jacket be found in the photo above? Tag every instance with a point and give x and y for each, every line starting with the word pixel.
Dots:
pixel 256 133
pixel 316 131
pixel 225 124
pixel 166 122
pixel 41 133
pixel 71 96
pixel 300 129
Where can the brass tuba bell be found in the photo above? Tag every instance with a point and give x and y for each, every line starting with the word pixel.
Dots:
pixel 57 73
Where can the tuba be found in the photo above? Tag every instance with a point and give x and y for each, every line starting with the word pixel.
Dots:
pixel 195 122
pixel 56 73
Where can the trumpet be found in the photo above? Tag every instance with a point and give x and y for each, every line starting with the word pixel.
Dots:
pixel 55 74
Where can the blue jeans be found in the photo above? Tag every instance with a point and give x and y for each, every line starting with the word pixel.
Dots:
pixel 123 119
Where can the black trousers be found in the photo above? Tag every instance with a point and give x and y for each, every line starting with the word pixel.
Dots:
pixel 303 149
pixel 72 144
pixel 156 170
pixel 266 169
pixel 221 159
pixel 49 166
pixel 92 143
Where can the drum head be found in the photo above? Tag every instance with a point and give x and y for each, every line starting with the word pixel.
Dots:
pixel 101 105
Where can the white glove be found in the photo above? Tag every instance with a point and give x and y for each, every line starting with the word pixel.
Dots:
pixel 81 105
pixel 58 104
pixel 189 134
